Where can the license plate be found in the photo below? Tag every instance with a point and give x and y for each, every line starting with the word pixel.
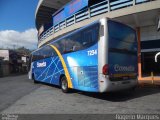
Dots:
pixel 126 82
pixel 125 78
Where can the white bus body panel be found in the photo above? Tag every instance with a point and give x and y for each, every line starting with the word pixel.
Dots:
pixel 105 85
pixel 102 56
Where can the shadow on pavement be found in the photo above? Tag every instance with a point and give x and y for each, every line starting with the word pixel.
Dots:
pixel 123 95
pixel 116 96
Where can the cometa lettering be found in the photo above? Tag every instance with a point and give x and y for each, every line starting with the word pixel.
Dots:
pixel 124 68
pixel 43 64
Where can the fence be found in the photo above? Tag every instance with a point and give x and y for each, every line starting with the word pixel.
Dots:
pixel 94 10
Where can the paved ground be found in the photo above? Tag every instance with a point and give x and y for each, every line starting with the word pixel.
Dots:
pixel 20 95
pixel 14 88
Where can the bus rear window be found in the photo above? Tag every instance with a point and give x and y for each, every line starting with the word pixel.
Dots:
pixel 121 38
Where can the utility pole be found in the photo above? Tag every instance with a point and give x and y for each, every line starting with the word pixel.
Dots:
pixel 14 46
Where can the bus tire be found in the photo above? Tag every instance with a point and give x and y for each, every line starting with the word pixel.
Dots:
pixel 36 82
pixel 64 85
pixel 34 79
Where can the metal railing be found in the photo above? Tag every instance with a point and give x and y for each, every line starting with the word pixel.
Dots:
pixel 94 10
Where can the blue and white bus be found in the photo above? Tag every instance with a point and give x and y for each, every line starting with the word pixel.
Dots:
pixel 99 57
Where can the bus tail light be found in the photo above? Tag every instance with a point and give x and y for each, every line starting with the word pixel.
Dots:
pixel 105 69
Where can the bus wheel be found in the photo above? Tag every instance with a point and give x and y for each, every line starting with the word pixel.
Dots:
pixel 64 85
pixel 34 79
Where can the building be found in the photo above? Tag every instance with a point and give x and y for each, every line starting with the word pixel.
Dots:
pixel 143 15
pixel 12 62
pixel 1 58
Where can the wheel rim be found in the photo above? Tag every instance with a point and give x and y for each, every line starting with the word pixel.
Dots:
pixel 64 84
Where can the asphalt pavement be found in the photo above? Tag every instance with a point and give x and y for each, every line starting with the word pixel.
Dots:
pixel 14 88
pixel 20 95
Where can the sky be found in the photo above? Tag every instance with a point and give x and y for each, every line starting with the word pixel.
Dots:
pixel 17 24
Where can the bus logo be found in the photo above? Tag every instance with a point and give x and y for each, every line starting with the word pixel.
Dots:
pixel 43 64
pixel 124 68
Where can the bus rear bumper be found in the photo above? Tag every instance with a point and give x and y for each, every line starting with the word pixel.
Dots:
pixel 121 85
pixel 110 86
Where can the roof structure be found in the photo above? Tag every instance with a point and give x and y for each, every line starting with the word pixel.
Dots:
pixel 45 9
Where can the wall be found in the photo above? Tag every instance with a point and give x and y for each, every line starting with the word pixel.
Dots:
pixel 149 33
pixel 4 69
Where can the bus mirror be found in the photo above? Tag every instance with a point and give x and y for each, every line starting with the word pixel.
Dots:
pixel 158 28
pixel 156 57
pixel 101 30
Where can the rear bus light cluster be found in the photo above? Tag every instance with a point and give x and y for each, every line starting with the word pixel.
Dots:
pixel 105 69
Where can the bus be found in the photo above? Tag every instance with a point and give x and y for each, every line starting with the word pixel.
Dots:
pixel 100 57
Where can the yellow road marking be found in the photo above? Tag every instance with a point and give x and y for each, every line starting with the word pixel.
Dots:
pixel 64 66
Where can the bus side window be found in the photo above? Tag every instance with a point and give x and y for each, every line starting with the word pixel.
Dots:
pixel 73 43
pixel 87 38
pixel 60 45
pixel 77 42
pixel 45 52
pixel 90 36
pixel 40 55
pixel 33 57
pixel 51 52
pixel 36 55
pixel 69 44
